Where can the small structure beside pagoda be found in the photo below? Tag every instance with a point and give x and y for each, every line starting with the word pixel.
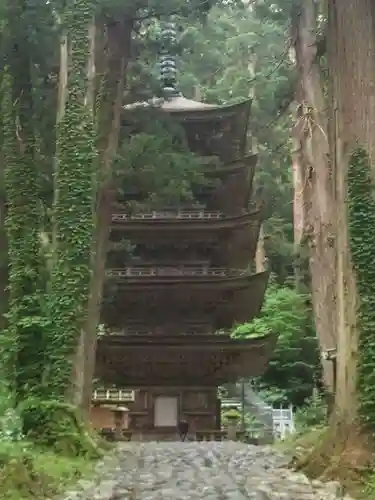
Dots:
pixel 165 312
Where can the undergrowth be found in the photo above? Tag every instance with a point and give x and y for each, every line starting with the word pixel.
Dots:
pixel 28 472
pixel 328 450
pixel 335 453
pixel 43 449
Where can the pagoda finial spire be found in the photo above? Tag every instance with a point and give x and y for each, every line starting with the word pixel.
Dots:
pixel 168 60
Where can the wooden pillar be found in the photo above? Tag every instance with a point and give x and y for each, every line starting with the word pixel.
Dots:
pixel 218 414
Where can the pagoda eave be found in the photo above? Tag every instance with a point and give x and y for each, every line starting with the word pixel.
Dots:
pixel 183 282
pixel 207 112
pixel 227 306
pixel 179 106
pixel 207 341
pixel 131 362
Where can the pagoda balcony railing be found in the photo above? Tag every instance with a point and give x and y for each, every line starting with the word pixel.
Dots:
pixel 160 215
pixel 113 395
pixel 149 330
pixel 145 271
pixel 150 333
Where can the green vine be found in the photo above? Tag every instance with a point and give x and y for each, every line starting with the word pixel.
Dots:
pixel 361 213
pixel 8 338
pixel 58 425
pixel 25 327
pixel 73 210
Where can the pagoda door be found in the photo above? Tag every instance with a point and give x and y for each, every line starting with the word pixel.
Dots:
pixel 166 411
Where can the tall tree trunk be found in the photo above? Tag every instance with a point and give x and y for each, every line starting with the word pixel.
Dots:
pixel 260 256
pixel 3 252
pixel 301 197
pixel 320 229
pixel 299 212
pixel 74 201
pixel 90 101
pixel 352 77
pixel 3 238
pixel 356 66
pixel 21 180
pixel 117 53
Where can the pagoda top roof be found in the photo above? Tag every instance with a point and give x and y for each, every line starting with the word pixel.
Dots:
pixel 181 360
pixel 180 105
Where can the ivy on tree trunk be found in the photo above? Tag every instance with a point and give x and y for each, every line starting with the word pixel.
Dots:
pixel 25 324
pixel 361 219
pixel 74 200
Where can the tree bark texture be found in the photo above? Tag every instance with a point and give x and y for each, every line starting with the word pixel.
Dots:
pixel 352 77
pixel 260 256
pixel 352 34
pixel 317 189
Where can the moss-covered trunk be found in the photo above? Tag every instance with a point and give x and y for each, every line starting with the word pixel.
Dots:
pixel 25 326
pixel 3 251
pixel 74 199
pixel 116 56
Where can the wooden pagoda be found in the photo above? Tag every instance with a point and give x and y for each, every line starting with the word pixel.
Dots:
pixel 192 279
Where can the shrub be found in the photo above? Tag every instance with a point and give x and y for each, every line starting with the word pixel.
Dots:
pixel 313 414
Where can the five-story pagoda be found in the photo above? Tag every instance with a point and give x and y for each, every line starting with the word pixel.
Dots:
pixel 197 280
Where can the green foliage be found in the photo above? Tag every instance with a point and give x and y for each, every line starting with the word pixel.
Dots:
pixel 24 336
pixel 73 210
pixel 10 418
pixel 159 164
pixel 295 362
pixel 57 426
pixel 27 472
pixel 313 414
pixel 361 218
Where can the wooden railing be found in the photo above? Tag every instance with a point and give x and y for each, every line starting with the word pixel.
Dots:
pixel 145 332
pixel 160 215
pixel 181 329
pixel 135 331
pixel 113 395
pixel 140 271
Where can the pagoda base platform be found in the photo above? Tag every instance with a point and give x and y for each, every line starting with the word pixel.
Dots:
pixel 157 411
pixel 169 436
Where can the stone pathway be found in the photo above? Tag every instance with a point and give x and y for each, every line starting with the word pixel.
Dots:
pixel 197 471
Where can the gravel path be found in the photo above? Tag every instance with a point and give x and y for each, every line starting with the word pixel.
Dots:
pixel 192 471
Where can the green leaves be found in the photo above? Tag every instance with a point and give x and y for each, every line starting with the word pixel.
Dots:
pixel 295 361
pixel 159 164
pixel 73 209
pixel 22 363
pixel 361 216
